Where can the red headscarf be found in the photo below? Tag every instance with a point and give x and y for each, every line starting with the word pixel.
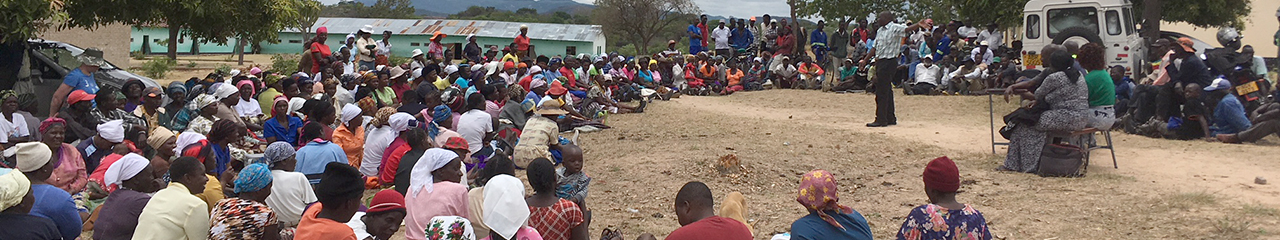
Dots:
pixel 195 150
pixel 941 174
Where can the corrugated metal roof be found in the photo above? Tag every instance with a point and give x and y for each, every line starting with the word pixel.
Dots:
pixel 541 31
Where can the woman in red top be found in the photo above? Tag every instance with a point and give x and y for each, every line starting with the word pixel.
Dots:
pixel 319 50
pixel 554 217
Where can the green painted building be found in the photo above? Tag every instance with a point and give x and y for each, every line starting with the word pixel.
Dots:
pixel 407 35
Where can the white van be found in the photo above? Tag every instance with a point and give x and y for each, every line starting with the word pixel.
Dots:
pixel 1107 22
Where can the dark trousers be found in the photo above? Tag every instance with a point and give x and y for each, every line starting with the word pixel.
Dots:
pixel 1260 130
pixel 920 89
pixel 886 70
pixel 1168 100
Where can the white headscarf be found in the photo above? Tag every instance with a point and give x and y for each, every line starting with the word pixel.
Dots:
pixel 13 187
pixel 450 69
pixel 112 130
pixel 399 122
pixel 224 91
pixel 186 139
pixel 420 178
pixel 125 168
pixel 505 210
pixel 296 103
pixel 350 111
pixel 31 155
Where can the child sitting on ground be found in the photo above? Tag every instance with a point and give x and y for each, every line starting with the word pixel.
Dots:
pixel 573 182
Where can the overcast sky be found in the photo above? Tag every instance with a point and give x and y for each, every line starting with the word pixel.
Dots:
pixel 726 8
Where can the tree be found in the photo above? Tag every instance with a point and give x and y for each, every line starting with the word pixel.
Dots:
pixel 1221 13
pixel 979 13
pixel 24 19
pixel 639 21
pixel 843 9
pixel 395 9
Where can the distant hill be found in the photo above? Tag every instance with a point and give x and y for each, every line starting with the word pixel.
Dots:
pixel 442 8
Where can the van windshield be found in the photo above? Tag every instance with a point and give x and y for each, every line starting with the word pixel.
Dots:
pixel 1064 18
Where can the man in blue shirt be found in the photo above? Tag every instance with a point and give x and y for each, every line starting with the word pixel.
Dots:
pixel 742 36
pixel 1228 116
pixel 695 37
pixel 818 42
pixel 80 78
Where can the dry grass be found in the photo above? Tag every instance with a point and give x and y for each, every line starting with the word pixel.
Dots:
pixel 1189 200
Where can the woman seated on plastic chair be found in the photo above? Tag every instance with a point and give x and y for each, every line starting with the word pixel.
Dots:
pixel 1059 105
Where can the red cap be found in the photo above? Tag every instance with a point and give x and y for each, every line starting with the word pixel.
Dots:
pixel 557 89
pixel 78 96
pixel 508 65
pixel 941 174
pixel 455 143
pixel 322 30
pixel 386 200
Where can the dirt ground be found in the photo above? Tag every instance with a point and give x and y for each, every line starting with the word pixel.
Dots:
pixel 1163 189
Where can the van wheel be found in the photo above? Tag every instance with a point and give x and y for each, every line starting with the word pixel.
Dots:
pixel 1077 32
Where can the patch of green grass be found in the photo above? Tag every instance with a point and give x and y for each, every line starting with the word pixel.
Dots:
pixel 1190 200
pixel 1235 228
pixel 1112 177
pixel 615 169
pixel 1260 210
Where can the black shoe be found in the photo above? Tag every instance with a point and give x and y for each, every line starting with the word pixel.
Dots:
pixel 893 123
pixel 876 124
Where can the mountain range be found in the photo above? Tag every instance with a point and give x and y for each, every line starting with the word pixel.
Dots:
pixel 442 8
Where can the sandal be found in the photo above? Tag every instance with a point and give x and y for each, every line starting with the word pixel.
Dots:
pixel 609 233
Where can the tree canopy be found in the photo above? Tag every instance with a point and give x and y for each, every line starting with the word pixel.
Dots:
pixel 205 20
pixel 520 15
pixel 396 9
pixel 1199 13
pixel 640 21
pixel 24 18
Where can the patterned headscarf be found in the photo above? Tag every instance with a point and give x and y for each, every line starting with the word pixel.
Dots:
pixel 438 115
pixel 818 194
pixel 450 228
pixel 195 149
pixel 367 105
pixel 26 100
pixel 5 94
pixel 253 178
pixel 278 152
pixel 383 115
pixel 49 122
pixel 201 101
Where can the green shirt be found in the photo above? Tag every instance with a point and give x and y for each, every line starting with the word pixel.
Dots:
pixel 1102 92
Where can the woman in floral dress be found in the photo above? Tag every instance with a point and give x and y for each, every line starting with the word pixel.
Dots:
pixel 246 216
pixel 943 217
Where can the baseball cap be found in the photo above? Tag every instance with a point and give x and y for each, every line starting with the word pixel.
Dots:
pixel 1218 84
pixel 153 92
pixel 386 200
pixel 78 96
pixel 1186 44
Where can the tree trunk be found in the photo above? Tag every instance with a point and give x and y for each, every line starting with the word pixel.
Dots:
pixel 643 49
pixel 1151 13
pixel 240 51
pixel 173 42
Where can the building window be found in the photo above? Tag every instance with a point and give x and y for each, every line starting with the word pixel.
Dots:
pixel 414 44
pixel 295 41
pixel 571 50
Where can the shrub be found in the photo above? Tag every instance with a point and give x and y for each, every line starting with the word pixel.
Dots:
pixel 137 55
pixel 284 63
pixel 158 67
pixel 223 69
pixel 396 61
pixel 191 64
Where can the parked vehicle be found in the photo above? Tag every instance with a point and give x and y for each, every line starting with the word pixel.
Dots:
pixel 1106 22
pixel 50 61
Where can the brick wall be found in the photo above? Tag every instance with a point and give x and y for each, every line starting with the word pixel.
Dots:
pixel 112 39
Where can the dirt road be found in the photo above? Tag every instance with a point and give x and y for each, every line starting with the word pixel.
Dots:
pixel 1163 188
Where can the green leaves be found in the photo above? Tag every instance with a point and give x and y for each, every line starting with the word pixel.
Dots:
pixel 395 9
pixel 23 19
pixel 1199 13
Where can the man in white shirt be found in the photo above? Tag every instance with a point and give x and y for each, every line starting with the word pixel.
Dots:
pixel 927 77
pixel 992 36
pixel 965 76
pixel 784 73
pixel 721 36
pixel 982 54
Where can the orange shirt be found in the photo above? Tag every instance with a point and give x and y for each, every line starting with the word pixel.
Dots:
pixel 522 42
pixel 314 228
pixel 351 143
pixel 734 78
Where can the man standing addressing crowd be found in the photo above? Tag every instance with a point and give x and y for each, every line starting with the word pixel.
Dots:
pixel 887 48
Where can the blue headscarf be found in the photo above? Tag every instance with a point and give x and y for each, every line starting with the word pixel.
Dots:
pixel 253 178
pixel 438 114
